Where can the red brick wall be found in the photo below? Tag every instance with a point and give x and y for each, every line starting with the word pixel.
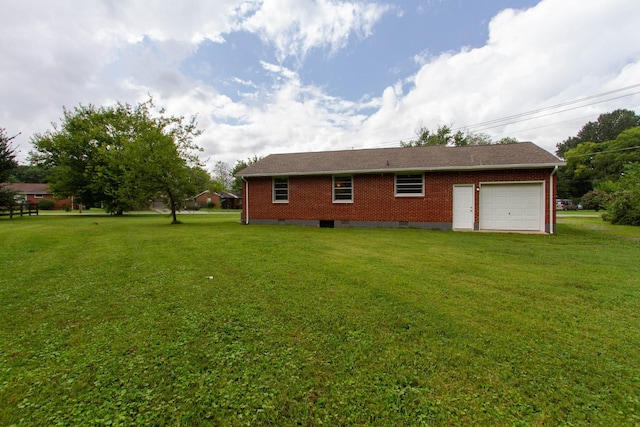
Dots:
pixel 202 199
pixel 58 203
pixel 310 197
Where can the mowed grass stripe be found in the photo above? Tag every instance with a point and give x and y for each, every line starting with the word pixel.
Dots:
pixel 130 320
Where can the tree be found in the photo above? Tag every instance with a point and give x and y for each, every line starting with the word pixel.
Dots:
pixel 444 135
pixel 201 178
pixel 122 156
pixel 236 186
pixel 222 176
pixel 30 173
pixel 154 166
pixel 7 165
pixel 70 151
pixel 590 164
pixel 507 140
pixel 606 128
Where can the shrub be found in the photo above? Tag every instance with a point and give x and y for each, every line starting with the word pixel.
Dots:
pixel 596 200
pixel 211 205
pixel 46 204
pixel 624 207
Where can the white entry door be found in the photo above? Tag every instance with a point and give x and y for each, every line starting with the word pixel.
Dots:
pixel 463 214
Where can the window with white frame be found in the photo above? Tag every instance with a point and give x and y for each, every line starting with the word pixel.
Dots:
pixel 342 188
pixel 410 184
pixel 280 189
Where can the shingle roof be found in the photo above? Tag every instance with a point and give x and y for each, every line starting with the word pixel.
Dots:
pixel 28 188
pixel 433 158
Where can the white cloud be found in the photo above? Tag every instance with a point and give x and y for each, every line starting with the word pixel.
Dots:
pixel 295 27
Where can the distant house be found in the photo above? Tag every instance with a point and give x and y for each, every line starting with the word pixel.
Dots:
pixel 34 192
pixel 508 187
pixel 220 199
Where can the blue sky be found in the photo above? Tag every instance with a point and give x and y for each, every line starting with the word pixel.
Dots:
pixel 277 76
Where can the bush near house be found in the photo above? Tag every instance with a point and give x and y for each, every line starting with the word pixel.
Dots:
pixel 46 204
pixel 624 207
pixel 595 200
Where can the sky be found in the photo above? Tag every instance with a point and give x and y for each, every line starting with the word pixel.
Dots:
pixel 281 76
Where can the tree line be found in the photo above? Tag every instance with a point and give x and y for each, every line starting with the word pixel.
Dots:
pixel 603 166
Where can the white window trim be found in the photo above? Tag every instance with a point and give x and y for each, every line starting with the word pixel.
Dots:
pixel 273 189
pixel 395 186
pixel 333 189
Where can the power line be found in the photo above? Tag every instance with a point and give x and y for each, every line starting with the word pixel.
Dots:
pixel 555 112
pixel 552 124
pixel 491 124
pixel 553 107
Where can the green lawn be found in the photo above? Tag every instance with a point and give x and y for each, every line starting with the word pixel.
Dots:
pixel 133 321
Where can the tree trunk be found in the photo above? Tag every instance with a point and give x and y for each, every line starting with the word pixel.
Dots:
pixel 173 213
pixel 173 204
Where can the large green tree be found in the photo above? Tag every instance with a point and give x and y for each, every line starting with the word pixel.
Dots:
pixel 121 156
pixel 578 179
pixel 591 164
pixel 71 152
pixel 606 128
pixel 7 166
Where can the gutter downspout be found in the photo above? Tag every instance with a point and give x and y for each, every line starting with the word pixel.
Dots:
pixel 552 203
pixel 246 201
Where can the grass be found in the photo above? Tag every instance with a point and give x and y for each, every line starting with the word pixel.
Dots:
pixel 132 321
pixel 592 220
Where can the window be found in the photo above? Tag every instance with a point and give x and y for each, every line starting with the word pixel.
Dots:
pixel 38 196
pixel 342 189
pixel 410 185
pixel 280 189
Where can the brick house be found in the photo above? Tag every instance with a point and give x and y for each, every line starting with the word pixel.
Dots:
pixel 220 199
pixel 508 187
pixel 34 192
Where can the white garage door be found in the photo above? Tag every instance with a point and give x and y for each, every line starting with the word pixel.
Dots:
pixel 515 207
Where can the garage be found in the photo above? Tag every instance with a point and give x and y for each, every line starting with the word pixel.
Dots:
pixel 512 207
